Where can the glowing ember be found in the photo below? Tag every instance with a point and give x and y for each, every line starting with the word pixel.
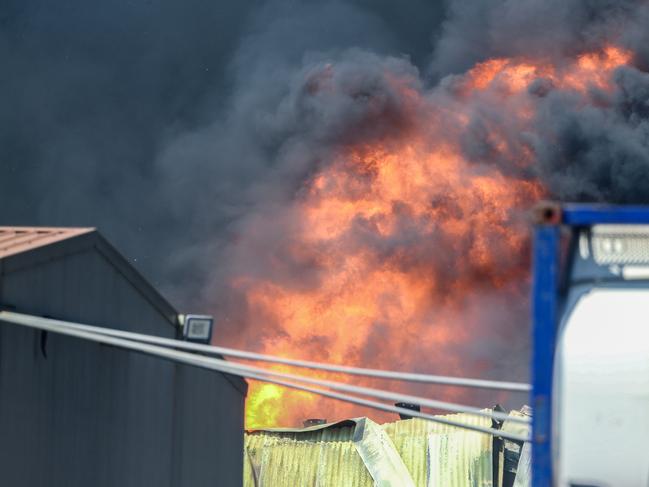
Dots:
pixel 386 251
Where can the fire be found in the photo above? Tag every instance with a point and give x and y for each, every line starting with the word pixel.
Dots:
pixel 396 240
pixel 591 69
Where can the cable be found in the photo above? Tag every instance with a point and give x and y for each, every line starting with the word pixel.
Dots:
pixel 380 394
pixel 229 352
pixel 394 409
pixel 385 395
pixel 243 370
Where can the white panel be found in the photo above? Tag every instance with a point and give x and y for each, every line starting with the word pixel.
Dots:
pixel 602 391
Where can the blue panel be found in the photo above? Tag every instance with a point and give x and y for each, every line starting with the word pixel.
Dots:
pixel 545 298
pixel 544 319
pixel 586 215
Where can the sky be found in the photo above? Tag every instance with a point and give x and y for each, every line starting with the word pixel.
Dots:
pixel 99 101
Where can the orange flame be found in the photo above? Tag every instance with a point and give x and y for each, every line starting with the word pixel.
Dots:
pixel 371 224
pixel 591 69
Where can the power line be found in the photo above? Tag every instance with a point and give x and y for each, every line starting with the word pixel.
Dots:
pixel 376 393
pixel 246 371
pixel 393 409
pixel 230 352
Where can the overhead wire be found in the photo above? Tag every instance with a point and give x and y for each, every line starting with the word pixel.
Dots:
pixel 376 393
pixel 344 369
pixel 394 409
pixel 58 326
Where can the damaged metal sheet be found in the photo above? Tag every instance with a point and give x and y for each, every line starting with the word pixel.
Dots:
pixel 412 438
pixel 524 472
pixel 379 455
pixel 319 456
pixel 361 453
pixel 460 459
pixel 517 459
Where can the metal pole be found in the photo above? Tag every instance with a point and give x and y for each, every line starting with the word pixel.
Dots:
pixel 544 331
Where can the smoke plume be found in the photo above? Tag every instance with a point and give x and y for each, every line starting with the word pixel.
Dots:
pixel 344 181
pixel 391 227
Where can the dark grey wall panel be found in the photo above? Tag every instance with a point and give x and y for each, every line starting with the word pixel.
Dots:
pixel 209 437
pixel 74 413
pixel 84 287
pixel 84 415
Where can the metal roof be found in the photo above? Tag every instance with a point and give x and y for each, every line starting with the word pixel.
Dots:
pixel 15 240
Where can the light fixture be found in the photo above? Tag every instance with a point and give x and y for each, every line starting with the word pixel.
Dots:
pixel 197 328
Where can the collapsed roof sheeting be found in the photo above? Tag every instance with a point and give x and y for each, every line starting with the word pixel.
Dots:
pixel 360 453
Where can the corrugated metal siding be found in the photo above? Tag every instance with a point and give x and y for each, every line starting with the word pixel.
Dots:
pixel 74 413
pixel 209 429
pixel 411 439
pixel 325 457
pixel 84 415
pixel 83 287
pixel 460 459
pixel 434 454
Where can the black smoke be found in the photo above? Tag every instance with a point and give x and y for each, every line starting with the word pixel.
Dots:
pixel 595 153
pixel 149 119
pixel 185 130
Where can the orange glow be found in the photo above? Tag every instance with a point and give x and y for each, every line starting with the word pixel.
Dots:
pixel 398 237
pixel 589 70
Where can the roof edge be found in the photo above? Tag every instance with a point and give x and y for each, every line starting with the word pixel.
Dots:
pixel 16 240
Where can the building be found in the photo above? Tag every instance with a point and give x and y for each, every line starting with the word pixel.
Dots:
pixel 77 413
pixel 407 453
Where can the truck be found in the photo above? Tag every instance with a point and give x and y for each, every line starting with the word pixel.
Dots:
pixel 590 327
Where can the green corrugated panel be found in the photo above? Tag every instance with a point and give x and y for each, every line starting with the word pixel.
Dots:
pixel 463 459
pixel 380 456
pixel 411 440
pixel 323 458
pixel 327 456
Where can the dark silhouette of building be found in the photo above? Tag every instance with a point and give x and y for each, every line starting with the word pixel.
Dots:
pixel 76 413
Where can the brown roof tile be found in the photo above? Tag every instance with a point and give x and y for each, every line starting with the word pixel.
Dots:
pixel 14 240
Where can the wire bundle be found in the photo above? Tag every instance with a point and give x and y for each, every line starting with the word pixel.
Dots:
pixel 185 352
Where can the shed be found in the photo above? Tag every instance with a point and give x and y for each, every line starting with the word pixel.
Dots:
pixel 77 413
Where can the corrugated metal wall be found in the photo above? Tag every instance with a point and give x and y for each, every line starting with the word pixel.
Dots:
pixel 74 413
pixel 434 454
pixel 439 455
pixel 324 457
